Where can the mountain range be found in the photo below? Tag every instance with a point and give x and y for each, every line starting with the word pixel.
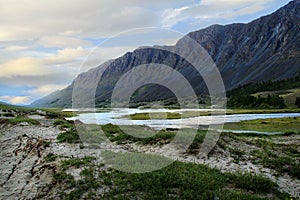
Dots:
pixel 266 49
pixel 3 103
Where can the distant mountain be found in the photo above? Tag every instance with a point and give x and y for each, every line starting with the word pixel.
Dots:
pixel 3 103
pixel 265 49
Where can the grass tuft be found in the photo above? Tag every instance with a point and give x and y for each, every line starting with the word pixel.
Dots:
pixel 20 119
pixel 68 136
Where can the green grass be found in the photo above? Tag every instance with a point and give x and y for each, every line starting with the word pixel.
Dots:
pixel 250 182
pixel 91 134
pixel 268 151
pixel 261 111
pixel 287 161
pixel 267 125
pixel 95 135
pixel 228 195
pixel 16 108
pixel 135 162
pixel 278 152
pixel 50 157
pixel 198 140
pixel 64 123
pixel 86 133
pixel 158 115
pixel 145 136
pixel 54 113
pixel 116 134
pixel 64 178
pixel 20 119
pixel 162 136
pixel 59 122
pixel 188 114
pixel 68 136
pixel 171 115
pixel 50 112
pixel 185 181
pixel 76 162
pixel 289 96
pixel 176 181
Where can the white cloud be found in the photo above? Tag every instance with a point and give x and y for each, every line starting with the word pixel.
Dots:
pixel 60 77
pixel 16 48
pixel 22 66
pixel 16 99
pixel 45 89
pixel 31 66
pixel 66 55
pixel 62 41
pixel 64 22
pixel 93 18
pixel 213 9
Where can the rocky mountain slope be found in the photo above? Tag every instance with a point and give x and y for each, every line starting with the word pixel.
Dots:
pixel 264 49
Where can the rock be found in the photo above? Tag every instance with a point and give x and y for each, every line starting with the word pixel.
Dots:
pixel 24 124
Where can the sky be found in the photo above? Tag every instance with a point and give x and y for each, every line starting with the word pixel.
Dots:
pixel 43 44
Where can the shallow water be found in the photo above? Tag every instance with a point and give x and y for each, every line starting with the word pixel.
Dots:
pixel 116 116
pixel 254 132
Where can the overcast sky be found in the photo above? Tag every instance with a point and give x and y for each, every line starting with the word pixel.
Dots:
pixel 44 43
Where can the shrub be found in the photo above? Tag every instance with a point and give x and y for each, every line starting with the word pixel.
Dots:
pixel 76 162
pixel 297 103
pixel 162 136
pixel 64 123
pixel 8 115
pixel 69 137
pixel 63 177
pixel 250 182
pixel 50 157
pixel 58 122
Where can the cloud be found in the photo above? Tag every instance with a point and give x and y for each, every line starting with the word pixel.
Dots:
pixel 66 55
pixel 213 9
pixel 16 48
pixel 61 77
pixel 22 66
pixel 23 100
pixel 31 66
pixel 45 89
pixel 62 41
pixel 64 23
pixel 93 18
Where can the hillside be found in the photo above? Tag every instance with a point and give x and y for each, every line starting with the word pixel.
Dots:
pixel 270 94
pixel 2 103
pixel 264 49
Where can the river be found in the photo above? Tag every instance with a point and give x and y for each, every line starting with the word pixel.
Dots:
pixel 118 117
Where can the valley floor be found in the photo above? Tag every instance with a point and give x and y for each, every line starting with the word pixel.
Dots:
pixel 35 165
